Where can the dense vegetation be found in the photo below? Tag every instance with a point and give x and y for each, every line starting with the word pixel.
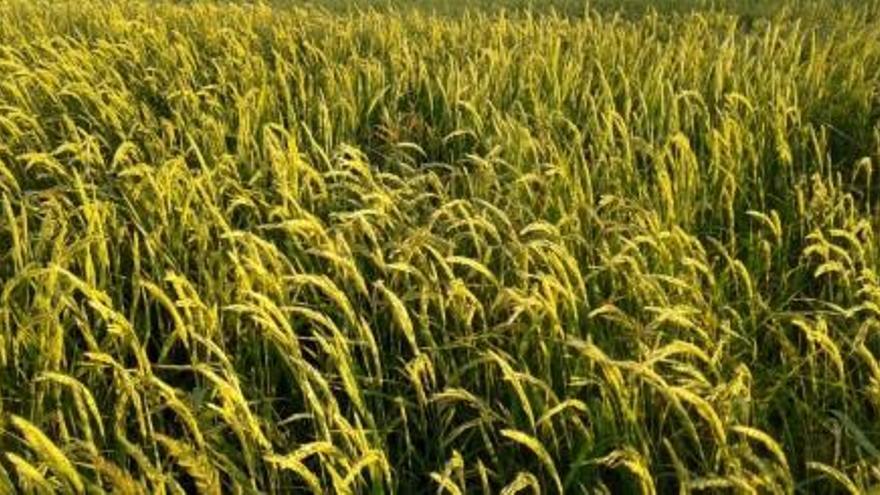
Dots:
pixel 569 8
pixel 253 249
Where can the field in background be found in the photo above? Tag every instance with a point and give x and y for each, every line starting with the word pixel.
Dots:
pixel 281 249
pixel 564 7
pixel 748 10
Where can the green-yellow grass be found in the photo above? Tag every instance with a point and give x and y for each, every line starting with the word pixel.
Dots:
pixel 279 249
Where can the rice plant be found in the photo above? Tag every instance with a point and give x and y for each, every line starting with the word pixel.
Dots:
pixel 573 248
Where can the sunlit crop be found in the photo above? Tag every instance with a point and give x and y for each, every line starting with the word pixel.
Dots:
pixel 257 249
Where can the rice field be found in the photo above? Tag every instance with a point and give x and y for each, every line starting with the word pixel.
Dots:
pixel 315 248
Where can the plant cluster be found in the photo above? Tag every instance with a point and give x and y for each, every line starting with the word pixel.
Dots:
pixel 252 249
